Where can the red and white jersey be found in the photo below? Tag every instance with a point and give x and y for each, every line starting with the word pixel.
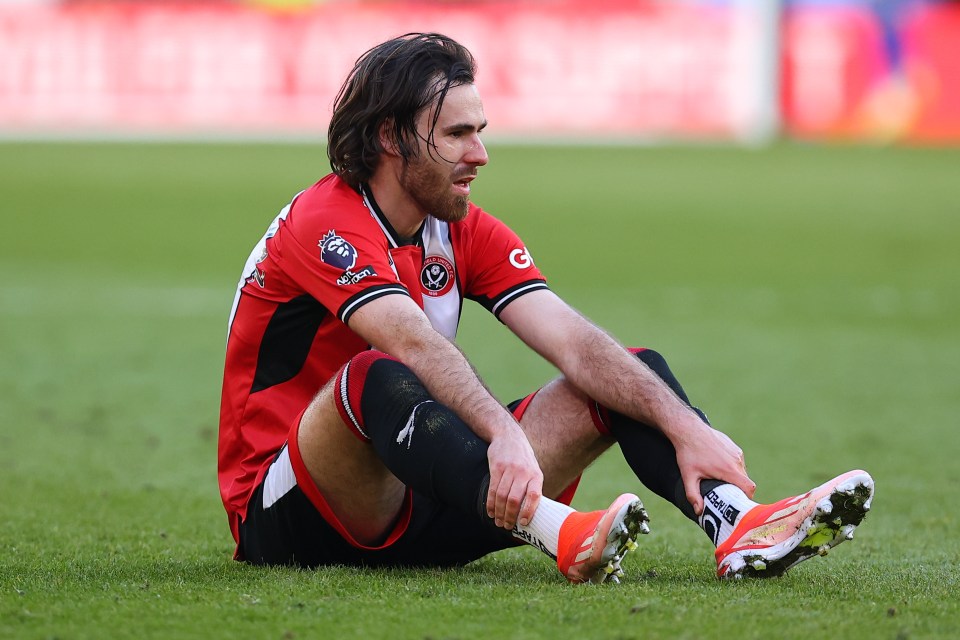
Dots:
pixel 329 252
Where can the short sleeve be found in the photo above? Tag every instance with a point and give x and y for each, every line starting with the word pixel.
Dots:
pixel 501 269
pixel 343 267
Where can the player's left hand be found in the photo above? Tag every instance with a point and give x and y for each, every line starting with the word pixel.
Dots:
pixel 703 453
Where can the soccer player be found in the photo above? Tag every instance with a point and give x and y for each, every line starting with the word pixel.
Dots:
pixel 354 432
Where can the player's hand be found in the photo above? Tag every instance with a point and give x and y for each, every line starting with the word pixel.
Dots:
pixel 707 454
pixel 516 481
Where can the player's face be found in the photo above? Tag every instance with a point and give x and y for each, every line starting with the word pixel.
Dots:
pixel 439 178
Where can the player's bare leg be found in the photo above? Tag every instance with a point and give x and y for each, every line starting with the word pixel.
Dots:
pixel 361 491
pixel 561 431
pixel 589 546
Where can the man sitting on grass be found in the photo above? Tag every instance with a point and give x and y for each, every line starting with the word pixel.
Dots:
pixel 354 432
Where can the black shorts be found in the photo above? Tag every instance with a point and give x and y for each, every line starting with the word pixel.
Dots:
pixel 292 531
pixel 289 523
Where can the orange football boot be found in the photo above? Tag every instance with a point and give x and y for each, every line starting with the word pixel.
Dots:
pixel 771 538
pixel 591 545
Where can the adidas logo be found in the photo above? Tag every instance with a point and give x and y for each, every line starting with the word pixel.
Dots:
pixel 585 550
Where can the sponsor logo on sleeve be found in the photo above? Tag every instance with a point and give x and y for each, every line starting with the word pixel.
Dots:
pixel 436 276
pixel 520 258
pixel 353 277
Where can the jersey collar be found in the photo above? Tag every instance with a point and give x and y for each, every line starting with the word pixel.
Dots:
pixel 394 238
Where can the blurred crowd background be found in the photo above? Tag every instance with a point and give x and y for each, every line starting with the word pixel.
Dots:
pixel 747 71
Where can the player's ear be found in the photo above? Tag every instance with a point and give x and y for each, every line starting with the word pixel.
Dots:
pixel 388 137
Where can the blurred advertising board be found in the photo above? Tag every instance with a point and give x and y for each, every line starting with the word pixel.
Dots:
pixel 565 68
pixel 630 70
pixel 843 78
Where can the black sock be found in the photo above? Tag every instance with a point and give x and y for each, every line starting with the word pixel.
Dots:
pixel 421 441
pixel 649 453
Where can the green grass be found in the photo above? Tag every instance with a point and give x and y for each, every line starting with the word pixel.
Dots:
pixel 807 297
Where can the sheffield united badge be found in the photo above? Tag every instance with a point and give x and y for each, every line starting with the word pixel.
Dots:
pixel 436 276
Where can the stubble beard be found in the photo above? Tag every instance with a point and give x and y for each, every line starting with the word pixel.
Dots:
pixel 431 190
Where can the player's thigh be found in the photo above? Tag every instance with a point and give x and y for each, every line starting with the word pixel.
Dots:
pixel 284 526
pixel 563 433
pixel 363 494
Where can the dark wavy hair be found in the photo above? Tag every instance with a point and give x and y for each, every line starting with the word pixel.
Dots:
pixel 393 81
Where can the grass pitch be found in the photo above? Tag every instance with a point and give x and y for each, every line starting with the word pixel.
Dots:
pixel 807 297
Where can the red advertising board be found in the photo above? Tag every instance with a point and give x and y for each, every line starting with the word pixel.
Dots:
pixel 838 82
pixel 569 68
pixel 566 68
pixel 932 40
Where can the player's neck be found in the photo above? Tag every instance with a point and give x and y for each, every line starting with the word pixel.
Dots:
pixel 403 212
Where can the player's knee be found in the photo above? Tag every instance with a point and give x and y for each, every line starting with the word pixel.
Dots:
pixel 388 380
pixel 653 359
pixel 373 389
pixel 658 364
pixel 360 364
pixel 349 386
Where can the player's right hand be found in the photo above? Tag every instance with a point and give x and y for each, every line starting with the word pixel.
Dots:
pixel 516 481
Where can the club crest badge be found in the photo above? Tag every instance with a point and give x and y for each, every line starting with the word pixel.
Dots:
pixel 436 276
pixel 337 252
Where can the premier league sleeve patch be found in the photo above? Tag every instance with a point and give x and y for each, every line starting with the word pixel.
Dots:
pixel 436 276
pixel 337 252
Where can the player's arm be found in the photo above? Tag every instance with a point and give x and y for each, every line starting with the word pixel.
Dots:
pixel 395 325
pixel 602 368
